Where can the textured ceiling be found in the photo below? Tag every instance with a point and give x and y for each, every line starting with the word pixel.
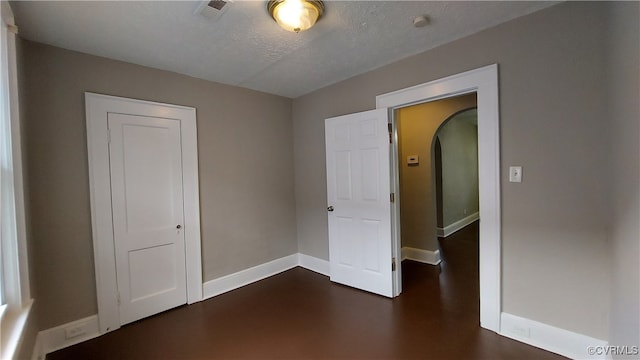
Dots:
pixel 245 47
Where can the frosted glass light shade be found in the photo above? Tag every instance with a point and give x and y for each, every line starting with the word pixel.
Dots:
pixel 295 15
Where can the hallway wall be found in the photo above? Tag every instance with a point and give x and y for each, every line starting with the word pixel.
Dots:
pixel 459 147
pixel 417 126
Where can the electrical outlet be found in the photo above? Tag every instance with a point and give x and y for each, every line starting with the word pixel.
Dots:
pixel 521 331
pixel 74 331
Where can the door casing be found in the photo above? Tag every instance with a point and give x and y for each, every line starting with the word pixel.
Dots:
pixel 484 82
pixel 97 108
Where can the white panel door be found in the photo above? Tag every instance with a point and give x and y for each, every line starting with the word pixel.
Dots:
pixel 146 180
pixel 359 208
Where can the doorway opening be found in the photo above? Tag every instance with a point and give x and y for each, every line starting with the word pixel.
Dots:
pixel 439 202
pixel 455 151
pixel 484 82
pixel 420 129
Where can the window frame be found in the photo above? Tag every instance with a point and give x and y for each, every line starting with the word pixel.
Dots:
pixel 16 298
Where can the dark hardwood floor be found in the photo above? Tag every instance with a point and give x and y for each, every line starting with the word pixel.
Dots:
pixel 299 314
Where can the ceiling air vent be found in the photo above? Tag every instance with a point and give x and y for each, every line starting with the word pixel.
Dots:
pixel 212 10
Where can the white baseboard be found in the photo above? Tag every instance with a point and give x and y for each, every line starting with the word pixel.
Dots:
pixel 550 338
pixel 38 349
pixel 245 277
pixel 423 256
pixel 314 264
pixel 460 224
pixel 56 338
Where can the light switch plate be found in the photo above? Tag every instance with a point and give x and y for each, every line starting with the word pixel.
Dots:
pixel 515 174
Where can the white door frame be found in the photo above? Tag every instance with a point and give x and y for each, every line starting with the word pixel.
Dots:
pixel 484 82
pixel 97 108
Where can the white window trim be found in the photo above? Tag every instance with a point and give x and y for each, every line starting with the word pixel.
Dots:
pixel 15 271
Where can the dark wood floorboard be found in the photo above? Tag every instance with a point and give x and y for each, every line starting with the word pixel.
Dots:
pixel 299 314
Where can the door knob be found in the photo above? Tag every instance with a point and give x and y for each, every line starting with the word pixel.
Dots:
pixel 179 227
pixel 330 208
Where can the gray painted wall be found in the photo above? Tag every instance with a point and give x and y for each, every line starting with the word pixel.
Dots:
pixel 623 75
pixel 245 161
pixel 555 264
pixel 417 126
pixel 459 144
pixel 558 266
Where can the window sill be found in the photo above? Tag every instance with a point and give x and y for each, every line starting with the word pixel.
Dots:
pixel 14 322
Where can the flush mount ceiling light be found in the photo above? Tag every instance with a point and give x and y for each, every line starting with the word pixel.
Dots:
pixel 295 15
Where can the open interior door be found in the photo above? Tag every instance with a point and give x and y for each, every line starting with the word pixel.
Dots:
pixel 358 198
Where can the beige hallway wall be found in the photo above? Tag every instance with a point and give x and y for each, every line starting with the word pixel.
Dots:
pixel 417 126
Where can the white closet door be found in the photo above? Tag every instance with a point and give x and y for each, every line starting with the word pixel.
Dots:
pixel 147 201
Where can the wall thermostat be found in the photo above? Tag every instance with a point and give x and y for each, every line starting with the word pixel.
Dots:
pixel 413 160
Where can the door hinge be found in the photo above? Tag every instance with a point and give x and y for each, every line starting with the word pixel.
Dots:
pixel 118 298
pixel 393 264
pixel 390 127
pixel 392 197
